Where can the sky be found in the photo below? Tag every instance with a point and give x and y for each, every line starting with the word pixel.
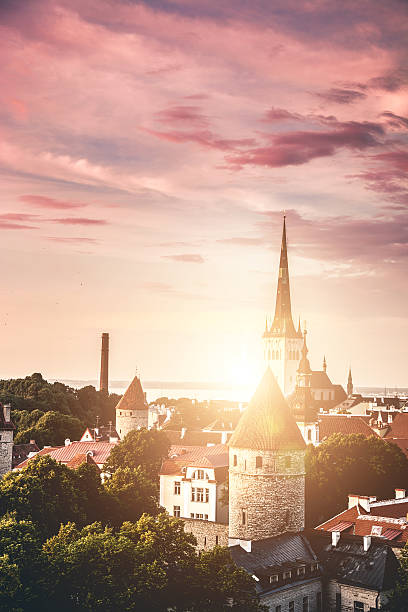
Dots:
pixel 148 151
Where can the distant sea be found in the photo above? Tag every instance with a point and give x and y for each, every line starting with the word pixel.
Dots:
pixel 207 391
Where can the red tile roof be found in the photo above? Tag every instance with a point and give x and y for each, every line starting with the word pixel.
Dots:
pixel 343 424
pixel 64 454
pixel 399 426
pixel 267 423
pixel 79 459
pixel 133 398
pixel 392 510
pixel 197 456
pixel 350 516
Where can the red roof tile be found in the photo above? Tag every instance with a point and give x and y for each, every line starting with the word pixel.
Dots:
pixel 399 426
pixel 133 398
pixel 343 424
pixel 197 456
pixel 350 515
pixel 64 454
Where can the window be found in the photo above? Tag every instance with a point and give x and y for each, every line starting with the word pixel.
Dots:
pixel 206 517
pixel 358 606
pixel 244 517
pixel 305 606
pixel 199 516
pixel 278 609
pixel 176 511
pixel 199 475
pixel 286 576
pixel 234 461
pixel 245 465
pixel 291 606
pixel 338 602
pixel 274 578
pixel 216 540
pixel 205 541
pixel 199 494
pixel 192 515
pixel 177 488
pixel 258 462
pixel 376 530
pixel 288 462
pixel 301 571
pixel 319 602
pixel 309 434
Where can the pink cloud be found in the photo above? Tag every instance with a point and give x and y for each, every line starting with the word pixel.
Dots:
pixel 79 221
pixel 183 114
pixel 280 114
pixel 341 96
pixel 72 240
pixel 186 258
pixel 45 202
pixel 204 138
pixel 300 147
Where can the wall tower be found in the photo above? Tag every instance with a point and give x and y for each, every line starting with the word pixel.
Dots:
pixel 282 343
pixel 266 468
pixel 6 439
pixel 132 410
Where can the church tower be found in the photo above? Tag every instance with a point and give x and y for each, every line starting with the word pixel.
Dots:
pixel 266 468
pixel 302 402
pixel 283 343
pixel 349 383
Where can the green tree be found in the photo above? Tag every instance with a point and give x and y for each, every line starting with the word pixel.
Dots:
pixel 52 429
pixel 398 596
pixel 133 493
pixel 142 447
pixel 350 464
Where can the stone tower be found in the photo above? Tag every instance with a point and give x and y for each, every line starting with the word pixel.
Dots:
pixel 6 439
pixel 266 468
pixel 349 383
pixel 132 409
pixel 282 343
pixel 104 380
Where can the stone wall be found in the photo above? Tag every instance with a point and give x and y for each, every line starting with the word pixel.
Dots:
pixel 128 420
pixel 207 533
pixel 349 594
pixel 296 593
pixel 6 451
pixel 272 496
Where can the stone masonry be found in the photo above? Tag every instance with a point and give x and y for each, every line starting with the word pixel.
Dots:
pixel 271 496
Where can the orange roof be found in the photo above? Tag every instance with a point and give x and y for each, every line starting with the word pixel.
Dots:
pixel 194 456
pixel 343 424
pixel 133 398
pixel 267 423
pixel 79 459
pixel 399 426
pixel 64 454
pixel 350 515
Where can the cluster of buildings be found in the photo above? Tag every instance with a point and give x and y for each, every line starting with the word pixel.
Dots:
pixel 240 481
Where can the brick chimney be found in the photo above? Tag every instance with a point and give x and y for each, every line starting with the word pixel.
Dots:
pixel 104 380
pixel 400 493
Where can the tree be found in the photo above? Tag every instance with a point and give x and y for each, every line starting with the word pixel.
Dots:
pixel 350 464
pixel 398 596
pixel 142 447
pixel 134 494
pixel 52 429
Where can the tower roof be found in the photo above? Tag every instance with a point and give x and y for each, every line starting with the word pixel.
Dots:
pixel 283 322
pixel 304 365
pixel 133 398
pixel 267 423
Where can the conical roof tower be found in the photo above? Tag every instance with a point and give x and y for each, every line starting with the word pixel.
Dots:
pixel 282 321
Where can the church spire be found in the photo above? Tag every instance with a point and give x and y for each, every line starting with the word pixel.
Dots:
pixel 283 322
pixel 349 383
pixel 324 363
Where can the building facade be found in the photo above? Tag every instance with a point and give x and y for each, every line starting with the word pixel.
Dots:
pixel 6 439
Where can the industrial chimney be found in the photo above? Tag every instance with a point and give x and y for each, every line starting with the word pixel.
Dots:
pixel 104 380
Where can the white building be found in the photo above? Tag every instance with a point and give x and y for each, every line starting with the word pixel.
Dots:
pixel 192 482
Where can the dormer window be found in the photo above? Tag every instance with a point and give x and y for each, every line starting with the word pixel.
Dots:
pixel 287 575
pixel 274 578
pixel 301 571
pixel 199 474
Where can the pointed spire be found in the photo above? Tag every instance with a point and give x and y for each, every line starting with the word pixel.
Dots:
pixel 304 365
pixel 283 322
pixel 324 363
pixel 299 329
pixel 350 383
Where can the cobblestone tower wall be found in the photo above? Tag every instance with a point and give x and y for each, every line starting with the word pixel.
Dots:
pixel 267 500
pixel 128 420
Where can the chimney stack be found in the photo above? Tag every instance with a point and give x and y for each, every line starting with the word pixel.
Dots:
pixel 400 493
pixel 104 380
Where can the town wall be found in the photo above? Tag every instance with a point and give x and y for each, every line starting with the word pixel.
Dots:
pixel 128 420
pixel 207 533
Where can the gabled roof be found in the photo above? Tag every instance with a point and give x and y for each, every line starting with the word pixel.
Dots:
pixel 399 426
pixel 79 459
pixel 64 454
pixel 194 456
pixel 267 423
pixel 350 516
pixel 133 398
pixel 320 380
pixel 330 424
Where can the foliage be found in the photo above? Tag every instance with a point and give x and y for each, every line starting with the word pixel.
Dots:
pixel 350 464
pixel 134 494
pixel 398 597
pixel 52 428
pixel 49 494
pixel 142 447
pixel 32 397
